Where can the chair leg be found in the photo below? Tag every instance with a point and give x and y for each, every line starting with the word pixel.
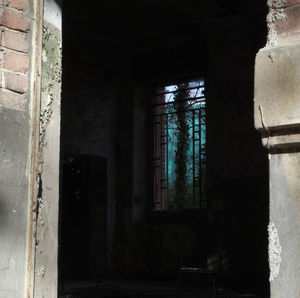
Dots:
pixel 178 288
pixel 214 285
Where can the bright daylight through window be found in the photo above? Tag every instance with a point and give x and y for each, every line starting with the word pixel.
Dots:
pixel 180 146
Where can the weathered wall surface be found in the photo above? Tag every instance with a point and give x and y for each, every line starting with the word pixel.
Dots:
pixel 46 255
pixel 284 215
pixel 276 111
pixel 15 158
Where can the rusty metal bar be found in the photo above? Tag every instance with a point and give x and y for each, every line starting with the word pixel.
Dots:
pixel 200 161
pixel 196 99
pixel 155 168
pixel 179 112
pixel 189 88
pixel 194 182
pixel 161 170
pixel 167 160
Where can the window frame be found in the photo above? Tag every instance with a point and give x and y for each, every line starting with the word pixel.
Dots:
pixel 159 203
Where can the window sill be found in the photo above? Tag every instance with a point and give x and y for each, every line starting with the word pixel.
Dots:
pixel 196 215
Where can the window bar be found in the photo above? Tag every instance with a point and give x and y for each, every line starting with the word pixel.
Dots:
pixel 156 159
pixel 200 161
pixel 188 88
pixel 194 182
pixel 204 155
pixel 167 160
pixel 196 99
pixel 161 159
pixel 171 113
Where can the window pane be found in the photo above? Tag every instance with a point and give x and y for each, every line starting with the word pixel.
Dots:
pixel 180 146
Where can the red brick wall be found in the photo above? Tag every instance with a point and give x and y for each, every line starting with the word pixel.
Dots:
pixel 14 54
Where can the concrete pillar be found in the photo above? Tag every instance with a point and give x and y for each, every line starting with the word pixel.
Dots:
pixel 277 117
pixel 47 207
pixel 20 23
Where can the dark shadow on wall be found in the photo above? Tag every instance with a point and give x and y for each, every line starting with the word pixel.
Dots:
pixel 124 47
pixel 83 218
pixel 59 2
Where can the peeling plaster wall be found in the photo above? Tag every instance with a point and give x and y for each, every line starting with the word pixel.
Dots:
pixel 274 251
pixel 284 214
pixel 48 173
pixel 277 118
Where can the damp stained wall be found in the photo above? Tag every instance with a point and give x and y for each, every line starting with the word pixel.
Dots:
pixel 15 150
pixel 46 249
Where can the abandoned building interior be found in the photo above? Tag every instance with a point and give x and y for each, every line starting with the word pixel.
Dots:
pixel 149 148
pixel 113 224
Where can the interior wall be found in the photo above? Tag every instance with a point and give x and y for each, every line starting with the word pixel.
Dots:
pixel 237 164
pixel 89 112
pixel 106 113
pixel 83 218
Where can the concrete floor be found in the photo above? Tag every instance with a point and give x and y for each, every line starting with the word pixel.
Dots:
pixel 90 289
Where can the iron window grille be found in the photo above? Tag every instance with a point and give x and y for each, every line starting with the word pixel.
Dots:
pixel 180 146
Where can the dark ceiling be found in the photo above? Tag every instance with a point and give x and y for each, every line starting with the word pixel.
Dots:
pixel 150 30
pixel 133 21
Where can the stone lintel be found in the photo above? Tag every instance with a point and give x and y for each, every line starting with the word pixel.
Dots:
pixel 281 141
pixel 277 96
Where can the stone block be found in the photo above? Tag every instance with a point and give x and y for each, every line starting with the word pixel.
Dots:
pixel 277 87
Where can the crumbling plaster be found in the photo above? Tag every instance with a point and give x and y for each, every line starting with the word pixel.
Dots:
pixel 274 251
pixel 276 13
pixel 46 238
pixel 276 112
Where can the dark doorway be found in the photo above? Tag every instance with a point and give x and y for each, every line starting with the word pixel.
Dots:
pixel 83 218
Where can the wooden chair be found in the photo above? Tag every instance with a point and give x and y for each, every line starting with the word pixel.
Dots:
pixel 203 273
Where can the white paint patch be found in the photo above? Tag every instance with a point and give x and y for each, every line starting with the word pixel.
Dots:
pixel 52 13
pixel 276 3
pixel 42 271
pixel 272 39
pixel 276 14
pixel 274 251
pixel 44 56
